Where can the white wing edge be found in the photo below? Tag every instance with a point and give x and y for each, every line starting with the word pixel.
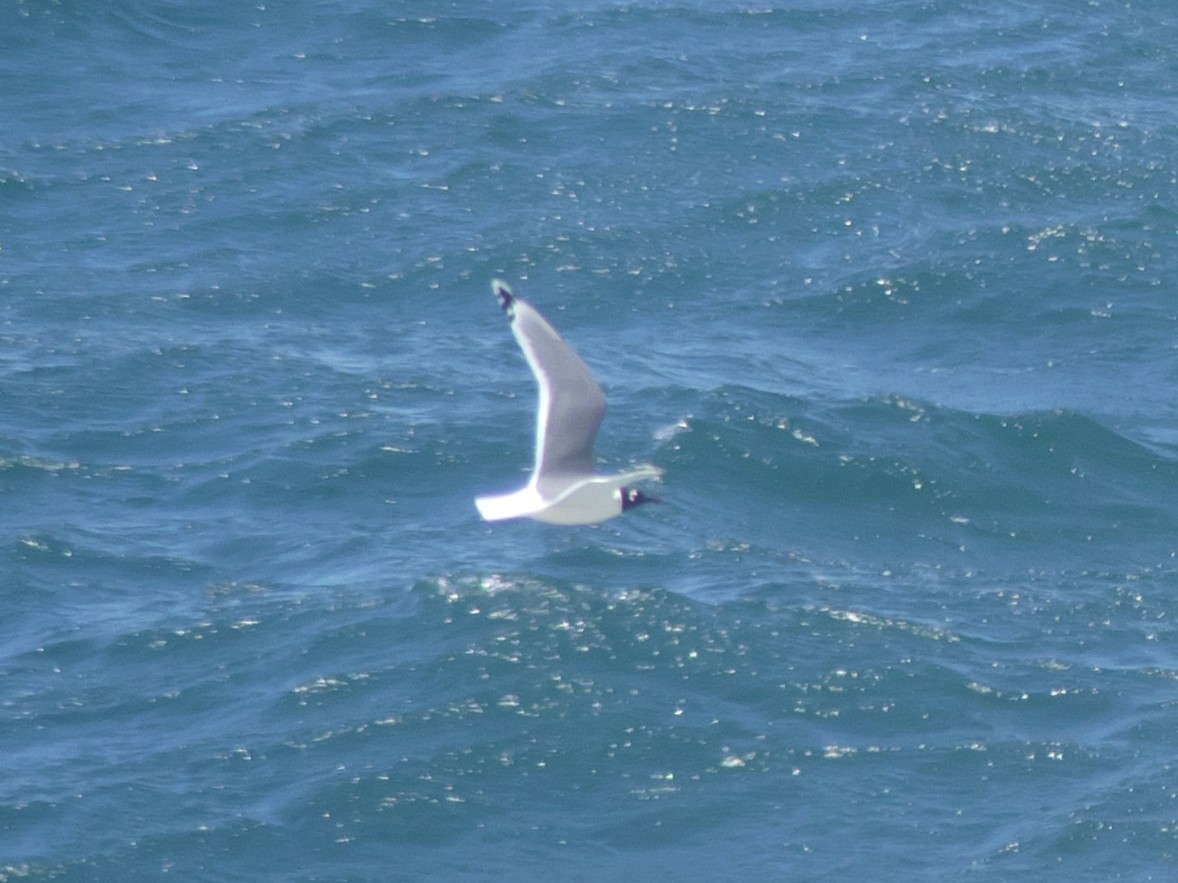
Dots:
pixel 518 504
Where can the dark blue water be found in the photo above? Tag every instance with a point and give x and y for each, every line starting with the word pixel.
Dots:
pixel 887 290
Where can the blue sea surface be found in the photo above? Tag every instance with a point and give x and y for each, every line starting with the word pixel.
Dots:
pixel 888 289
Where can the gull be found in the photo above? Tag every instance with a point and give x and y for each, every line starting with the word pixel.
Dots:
pixel 564 487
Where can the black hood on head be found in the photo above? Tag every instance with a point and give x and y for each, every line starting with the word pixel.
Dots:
pixel 632 497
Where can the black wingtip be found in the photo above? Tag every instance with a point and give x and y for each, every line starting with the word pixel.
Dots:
pixel 504 293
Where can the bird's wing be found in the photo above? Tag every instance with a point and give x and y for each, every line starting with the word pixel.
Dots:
pixel 572 405
pixel 518 504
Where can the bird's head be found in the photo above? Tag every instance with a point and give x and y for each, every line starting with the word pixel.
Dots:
pixel 632 497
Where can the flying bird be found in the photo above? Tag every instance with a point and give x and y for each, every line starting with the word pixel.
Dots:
pixel 564 487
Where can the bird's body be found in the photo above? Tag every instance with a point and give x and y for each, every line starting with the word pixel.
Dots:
pixel 564 487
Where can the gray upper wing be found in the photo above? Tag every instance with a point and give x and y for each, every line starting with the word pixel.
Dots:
pixel 572 405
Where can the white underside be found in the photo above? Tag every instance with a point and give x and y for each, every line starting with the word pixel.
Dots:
pixel 576 500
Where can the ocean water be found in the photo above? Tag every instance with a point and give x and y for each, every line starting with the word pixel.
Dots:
pixel 886 288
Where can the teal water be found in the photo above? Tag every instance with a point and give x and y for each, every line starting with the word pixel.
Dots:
pixel 887 289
